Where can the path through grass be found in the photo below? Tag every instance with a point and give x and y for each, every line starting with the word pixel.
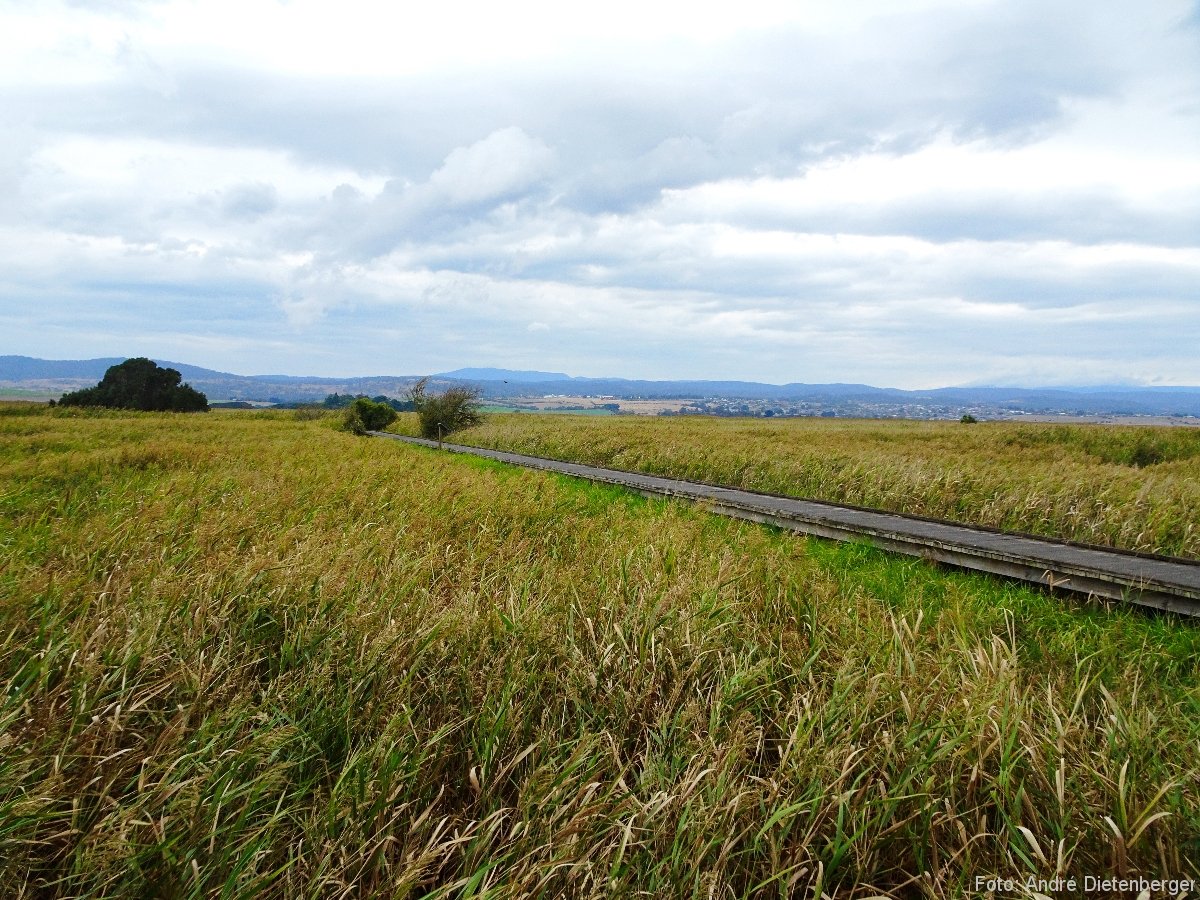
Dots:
pixel 244 655
pixel 1134 488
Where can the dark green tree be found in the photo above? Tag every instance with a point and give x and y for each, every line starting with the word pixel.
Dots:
pixel 140 384
pixel 341 401
pixel 365 415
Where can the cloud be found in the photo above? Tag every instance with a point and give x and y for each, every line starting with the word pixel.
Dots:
pixel 501 166
pixel 249 201
pixel 907 193
pixel 947 190
pixel 474 182
pixel 303 310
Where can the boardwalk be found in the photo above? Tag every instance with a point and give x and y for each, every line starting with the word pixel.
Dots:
pixel 1161 582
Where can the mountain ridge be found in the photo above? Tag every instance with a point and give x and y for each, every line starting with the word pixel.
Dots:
pixel 50 376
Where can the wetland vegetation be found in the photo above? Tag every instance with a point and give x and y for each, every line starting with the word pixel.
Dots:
pixel 1137 488
pixel 250 655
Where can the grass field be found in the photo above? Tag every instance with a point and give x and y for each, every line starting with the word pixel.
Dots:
pixel 247 655
pixel 1128 487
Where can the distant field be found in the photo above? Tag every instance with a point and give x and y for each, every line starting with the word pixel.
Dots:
pixel 247 655
pixel 1134 488
pixel 499 408
pixel 502 408
pixel 25 394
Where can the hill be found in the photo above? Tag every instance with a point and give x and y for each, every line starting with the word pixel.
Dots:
pixel 504 375
pixel 53 377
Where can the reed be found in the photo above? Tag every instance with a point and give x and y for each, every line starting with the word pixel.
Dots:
pixel 1137 488
pixel 245 655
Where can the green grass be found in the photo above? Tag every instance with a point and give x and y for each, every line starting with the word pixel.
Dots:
pixel 1137 488
pixel 247 655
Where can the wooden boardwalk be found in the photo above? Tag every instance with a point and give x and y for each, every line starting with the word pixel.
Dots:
pixel 1162 582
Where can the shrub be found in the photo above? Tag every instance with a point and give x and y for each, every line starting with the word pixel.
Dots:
pixel 452 410
pixel 365 415
pixel 353 423
pixel 968 419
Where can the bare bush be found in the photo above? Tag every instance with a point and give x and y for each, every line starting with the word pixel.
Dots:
pixel 454 409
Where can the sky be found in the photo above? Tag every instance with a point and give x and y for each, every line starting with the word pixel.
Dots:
pixel 909 193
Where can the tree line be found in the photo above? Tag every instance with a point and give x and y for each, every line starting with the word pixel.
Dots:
pixel 142 384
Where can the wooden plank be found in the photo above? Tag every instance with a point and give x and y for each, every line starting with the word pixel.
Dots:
pixel 1166 583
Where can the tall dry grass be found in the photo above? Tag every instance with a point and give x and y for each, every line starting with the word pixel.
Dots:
pixel 1130 487
pixel 249 656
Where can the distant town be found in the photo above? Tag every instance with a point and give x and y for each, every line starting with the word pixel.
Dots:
pixel 605 404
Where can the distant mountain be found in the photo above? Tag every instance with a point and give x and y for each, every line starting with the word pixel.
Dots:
pixel 53 377
pixel 865 399
pixel 625 387
pixel 509 375
pixel 29 368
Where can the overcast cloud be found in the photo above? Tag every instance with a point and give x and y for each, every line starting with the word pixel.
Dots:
pixel 907 194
